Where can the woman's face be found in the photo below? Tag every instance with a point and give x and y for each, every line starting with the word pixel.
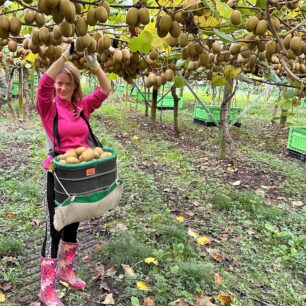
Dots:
pixel 64 86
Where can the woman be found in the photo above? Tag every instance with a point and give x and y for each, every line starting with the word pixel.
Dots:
pixel 60 96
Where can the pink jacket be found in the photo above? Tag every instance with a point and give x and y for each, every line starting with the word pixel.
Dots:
pixel 72 128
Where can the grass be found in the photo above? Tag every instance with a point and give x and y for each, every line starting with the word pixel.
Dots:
pixel 256 242
pixel 9 246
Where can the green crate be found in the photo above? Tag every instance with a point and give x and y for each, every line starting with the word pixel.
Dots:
pixel 201 115
pixel 15 88
pixel 140 97
pixel 168 103
pixel 297 139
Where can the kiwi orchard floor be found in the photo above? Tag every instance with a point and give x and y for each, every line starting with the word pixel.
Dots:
pixel 215 229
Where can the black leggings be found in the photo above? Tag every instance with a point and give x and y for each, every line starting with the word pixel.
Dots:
pixel 52 236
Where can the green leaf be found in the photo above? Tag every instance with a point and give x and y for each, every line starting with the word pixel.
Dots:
pixel 209 5
pixel 285 104
pixel 224 37
pixel 135 301
pixel 179 81
pixel 218 80
pixel 274 77
pixel 142 43
pixel 146 36
pixel 179 63
pixel 270 227
pixel 138 44
pixel 231 71
pixel 112 76
pixel 223 9
pixel 261 3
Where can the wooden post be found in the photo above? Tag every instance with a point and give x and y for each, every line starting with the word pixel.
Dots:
pixel 20 93
pixel 226 140
pixel 154 104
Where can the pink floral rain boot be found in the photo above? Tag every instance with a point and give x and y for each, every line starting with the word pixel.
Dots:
pixel 48 295
pixel 64 272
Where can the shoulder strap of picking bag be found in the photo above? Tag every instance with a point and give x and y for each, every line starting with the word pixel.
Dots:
pixel 93 141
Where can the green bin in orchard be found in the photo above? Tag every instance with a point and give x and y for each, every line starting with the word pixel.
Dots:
pixel 297 142
pixel 15 88
pixel 201 116
pixel 167 102
pixel 140 97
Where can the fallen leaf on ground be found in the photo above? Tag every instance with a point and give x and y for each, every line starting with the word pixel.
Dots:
pixel 110 272
pixel 9 216
pixel 109 300
pixel 36 222
pixel 218 278
pixel 215 254
pixel 229 169
pixel 121 227
pixel 193 233
pixel 236 183
pixel 225 299
pixel 180 218
pixel 190 213
pixel 179 302
pixel 2 297
pixel 148 301
pixel 260 192
pixel 297 203
pixel 134 137
pixel 128 270
pixel 9 260
pixel 195 203
pixel 65 284
pixel 142 285
pixel 151 260
pixel 227 230
pixel 203 240
pixel 5 286
pixel 204 301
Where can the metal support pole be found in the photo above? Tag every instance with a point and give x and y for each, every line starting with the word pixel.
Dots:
pixel 201 103
pixel 140 92
pixel 247 108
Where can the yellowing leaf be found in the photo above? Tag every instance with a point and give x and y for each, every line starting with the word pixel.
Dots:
pixel 231 71
pixel 128 270
pixel 151 260
pixel 142 285
pixel 218 278
pixel 180 218
pixel 203 240
pixel 223 9
pixel 193 233
pixel 30 58
pixel 2 297
pixel 156 41
pixel 225 299
pixel 135 137
pixel 209 22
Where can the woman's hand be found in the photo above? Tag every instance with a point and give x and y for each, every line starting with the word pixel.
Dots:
pixel 67 54
pixel 56 67
pixel 92 61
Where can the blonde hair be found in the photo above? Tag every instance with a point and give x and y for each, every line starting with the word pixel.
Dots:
pixel 74 74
